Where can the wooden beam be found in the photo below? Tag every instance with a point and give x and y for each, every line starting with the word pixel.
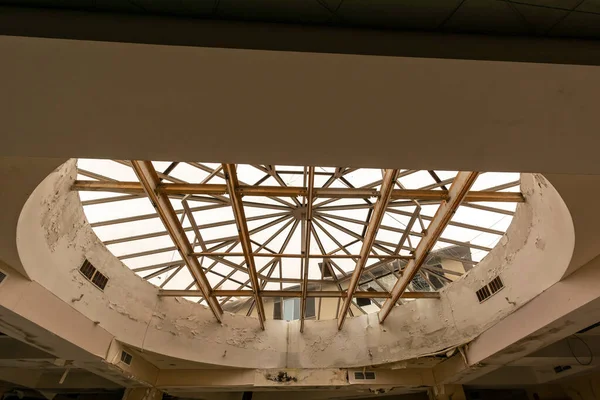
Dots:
pixel 116 187
pixel 457 193
pixel 298 293
pixel 193 188
pixel 242 225
pixel 498 197
pixel 149 181
pixel 300 255
pixel 389 180
pixel 306 244
pixel 280 191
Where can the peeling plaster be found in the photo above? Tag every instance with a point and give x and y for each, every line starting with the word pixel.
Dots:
pixel 281 377
pixel 130 309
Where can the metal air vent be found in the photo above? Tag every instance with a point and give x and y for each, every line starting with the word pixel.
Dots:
pixel 561 368
pixel 93 275
pixel 483 293
pixel 126 357
pixel 490 289
pixel 87 269
pixel 100 280
pixel 367 375
pixel 496 284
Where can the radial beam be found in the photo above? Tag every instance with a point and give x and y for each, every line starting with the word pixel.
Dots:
pixel 182 189
pixel 149 180
pixel 306 244
pixel 297 293
pixel 387 187
pixel 240 217
pixel 457 193
pixel 302 255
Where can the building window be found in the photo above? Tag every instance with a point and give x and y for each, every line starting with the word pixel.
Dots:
pixel 289 309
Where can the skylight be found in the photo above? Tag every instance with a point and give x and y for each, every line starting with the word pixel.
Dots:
pixel 274 202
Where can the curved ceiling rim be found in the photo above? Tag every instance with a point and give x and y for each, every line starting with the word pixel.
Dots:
pixel 23 177
pixel 152 324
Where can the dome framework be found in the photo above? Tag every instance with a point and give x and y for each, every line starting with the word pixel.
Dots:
pixel 250 232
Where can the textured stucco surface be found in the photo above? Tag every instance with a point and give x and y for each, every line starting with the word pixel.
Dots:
pixel 247 106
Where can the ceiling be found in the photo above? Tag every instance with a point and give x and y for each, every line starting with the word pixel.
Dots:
pixel 537 156
pixel 552 18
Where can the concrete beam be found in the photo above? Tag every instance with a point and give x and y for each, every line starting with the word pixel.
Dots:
pixel 50 379
pixel 289 379
pixel 36 317
pixel 524 105
pixel 11 348
pixel 140 371
pixel 111 27
pixel 531 328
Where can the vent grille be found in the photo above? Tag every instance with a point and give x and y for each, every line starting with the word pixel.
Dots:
pixel 370 375
pixel 93 275
pixel 561 368
pixel 87 269
pixel 488 290
pixel 99 280
pixel 496 285
pixel 126 357
pixel 483 293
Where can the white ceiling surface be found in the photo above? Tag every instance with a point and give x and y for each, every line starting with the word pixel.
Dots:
pixel 291 267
